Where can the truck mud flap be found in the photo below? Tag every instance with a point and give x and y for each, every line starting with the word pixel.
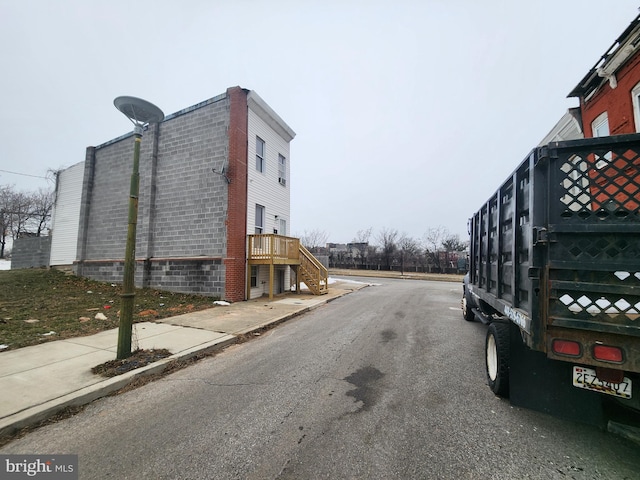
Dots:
pixel 545 385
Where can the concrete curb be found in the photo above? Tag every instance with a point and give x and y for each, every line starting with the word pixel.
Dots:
pixel 273 322
pixel 39 413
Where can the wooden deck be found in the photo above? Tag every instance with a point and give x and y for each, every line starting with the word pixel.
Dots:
pixel 272 250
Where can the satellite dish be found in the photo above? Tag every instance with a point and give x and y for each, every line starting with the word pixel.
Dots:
pixel 139 111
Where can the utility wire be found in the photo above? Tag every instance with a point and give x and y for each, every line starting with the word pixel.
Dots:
pixel 23 174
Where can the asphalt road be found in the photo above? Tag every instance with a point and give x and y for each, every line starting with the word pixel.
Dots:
pixel 384 383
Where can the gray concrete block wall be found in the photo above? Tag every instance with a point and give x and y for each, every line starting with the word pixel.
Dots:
pixel 191 200
pixel 30 252
pixel 106 229
pixel 182 205
pixel 199 276
pixel 85 204
pixel 104 271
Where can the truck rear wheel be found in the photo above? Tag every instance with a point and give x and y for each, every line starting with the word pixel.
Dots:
pixel 497 358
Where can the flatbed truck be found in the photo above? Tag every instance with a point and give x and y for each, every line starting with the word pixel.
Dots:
pixel 554 271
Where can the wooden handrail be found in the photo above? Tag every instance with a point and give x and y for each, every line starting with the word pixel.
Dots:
pixel 270 246
pixel 315 274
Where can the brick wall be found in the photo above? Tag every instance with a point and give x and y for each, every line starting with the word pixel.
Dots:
pixel 616 102
pixel 236 270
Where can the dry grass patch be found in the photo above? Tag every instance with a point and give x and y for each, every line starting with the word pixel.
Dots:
pixel 40 305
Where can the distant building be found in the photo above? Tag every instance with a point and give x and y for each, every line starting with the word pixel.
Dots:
pixel 357 248
pixel 337 248
pixel 212 176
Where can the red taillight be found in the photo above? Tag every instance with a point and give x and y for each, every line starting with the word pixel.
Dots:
pixel 607 353
pixel 566 347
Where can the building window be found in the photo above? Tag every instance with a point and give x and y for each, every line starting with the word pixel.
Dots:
pixel 260 148
pixel 635 98
pixel 282 170
pixel 254 276
pixel 259 219
pixel 600 126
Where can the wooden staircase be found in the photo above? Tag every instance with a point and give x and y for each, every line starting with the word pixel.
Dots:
pixel 312 273
pixel 273 249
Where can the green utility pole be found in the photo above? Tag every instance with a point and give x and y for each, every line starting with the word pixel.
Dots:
pixel 140 112
pixel 128 284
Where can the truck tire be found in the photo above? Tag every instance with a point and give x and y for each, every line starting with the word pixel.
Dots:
pixel 467 313
pixel 497 358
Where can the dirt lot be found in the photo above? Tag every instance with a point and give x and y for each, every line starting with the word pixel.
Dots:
pixel 40 305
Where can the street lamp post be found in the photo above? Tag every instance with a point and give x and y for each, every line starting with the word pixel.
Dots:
pixel 140 112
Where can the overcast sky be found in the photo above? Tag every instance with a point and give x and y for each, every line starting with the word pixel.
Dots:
pixel 408 113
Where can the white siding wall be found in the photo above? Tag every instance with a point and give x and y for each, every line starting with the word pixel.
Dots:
pixel 263 282
pixel 66 216
pixel 264 188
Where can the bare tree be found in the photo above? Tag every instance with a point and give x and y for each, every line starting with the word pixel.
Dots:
pixel 359 247
pixel 409 248
pixel 6 194
pixel 42 205
pixel 433 244
pixel 387 238
pixel 314 239
pixel 362 236
pixel 20 213
pixel 452 243
pixel 23 213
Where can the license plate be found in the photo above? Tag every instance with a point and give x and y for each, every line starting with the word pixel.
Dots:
pixel 586 378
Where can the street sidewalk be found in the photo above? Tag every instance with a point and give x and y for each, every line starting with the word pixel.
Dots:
pixel 39 381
